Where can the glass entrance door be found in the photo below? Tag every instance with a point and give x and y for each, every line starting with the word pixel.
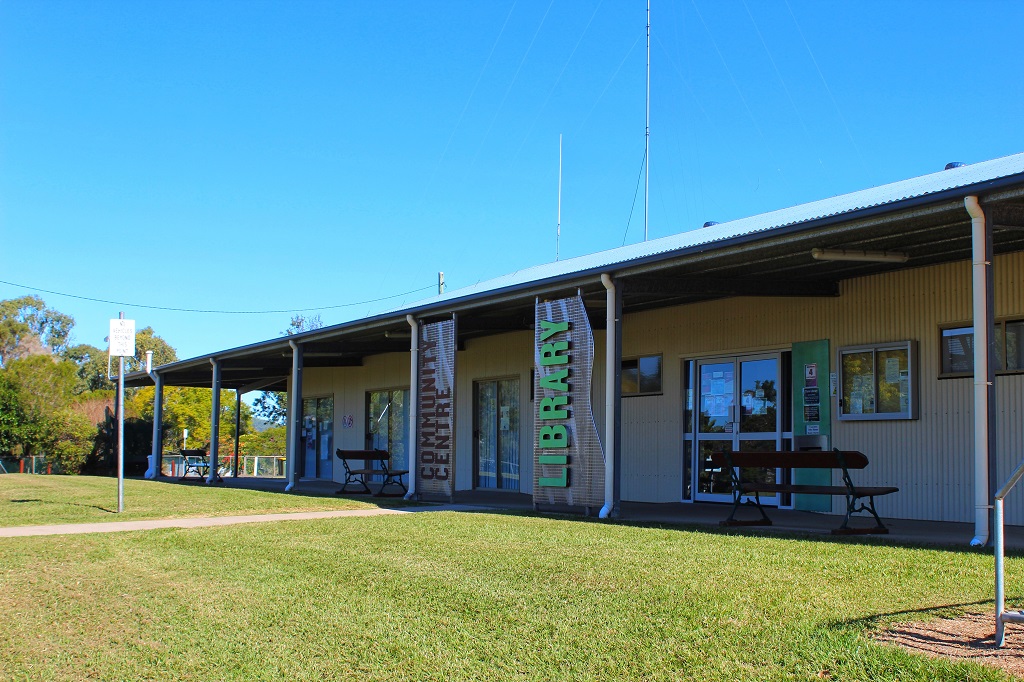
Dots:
pixel 318 436
pixel 737 409
pixel 496 434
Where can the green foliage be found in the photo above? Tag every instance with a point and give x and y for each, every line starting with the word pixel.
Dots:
pixel 188 408
pixel 39 414
pixel 27 327
pixel 272 441
pixel 146 339
pixel 92 367
pixel 45 387
pixel 74 435
pixel 11 416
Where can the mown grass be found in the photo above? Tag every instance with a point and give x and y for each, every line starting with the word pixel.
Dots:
pixel 42 500
pixel 460 596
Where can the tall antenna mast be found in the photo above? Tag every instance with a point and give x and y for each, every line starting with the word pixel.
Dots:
pixel 558 227
pixel 647 128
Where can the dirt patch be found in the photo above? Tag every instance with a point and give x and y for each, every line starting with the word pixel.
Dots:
pixel 967 637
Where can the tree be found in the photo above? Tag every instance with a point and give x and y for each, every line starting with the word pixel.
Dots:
pixel 40 391
pixel 188 408
pixel 265 443
pixel 28 327
pixel 11 416
pixel 73 443
pixel 146 339
pixel 92 367
pixel 272 406
pixel 45 387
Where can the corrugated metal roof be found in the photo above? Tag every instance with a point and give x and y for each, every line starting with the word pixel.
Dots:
pixel 914 189
pixel 934 183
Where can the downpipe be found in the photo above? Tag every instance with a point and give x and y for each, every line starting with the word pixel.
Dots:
pixel 294 408
pixel 609 398
pixel 981 333
pixel 414 401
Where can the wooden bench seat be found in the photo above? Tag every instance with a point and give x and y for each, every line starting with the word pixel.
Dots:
pixel 361 475
pixel 858 498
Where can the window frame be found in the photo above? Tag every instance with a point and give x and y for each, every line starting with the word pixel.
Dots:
pixel 637 358
pixel 912 411
pixel 1000 325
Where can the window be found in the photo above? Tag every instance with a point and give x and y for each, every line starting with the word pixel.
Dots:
pixel 641 376
pixel 958 349
pixel 878 381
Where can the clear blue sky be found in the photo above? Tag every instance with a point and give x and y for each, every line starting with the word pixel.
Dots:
pixel 285 155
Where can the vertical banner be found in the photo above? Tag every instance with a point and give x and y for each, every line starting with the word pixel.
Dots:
pixel 435 453
pixel 568 458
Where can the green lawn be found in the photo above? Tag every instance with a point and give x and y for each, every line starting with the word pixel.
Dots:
pixel 33 500
pixel 461 596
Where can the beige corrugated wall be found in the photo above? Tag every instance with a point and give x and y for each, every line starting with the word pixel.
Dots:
pixel 930 459
pixel 349 385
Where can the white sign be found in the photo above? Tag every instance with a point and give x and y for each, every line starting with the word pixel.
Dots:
pixel 122 338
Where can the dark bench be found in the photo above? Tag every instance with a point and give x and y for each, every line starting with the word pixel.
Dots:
pixel 361 476
pixel 197 461
pixel 858 498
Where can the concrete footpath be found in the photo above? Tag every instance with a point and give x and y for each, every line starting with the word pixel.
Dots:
pixel 202 522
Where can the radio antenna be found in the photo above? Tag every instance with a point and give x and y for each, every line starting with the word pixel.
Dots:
pixel 558 225
pixel 647 127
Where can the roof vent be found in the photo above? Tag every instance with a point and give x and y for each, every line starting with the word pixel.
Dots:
pixel 711 223
pixel 954 164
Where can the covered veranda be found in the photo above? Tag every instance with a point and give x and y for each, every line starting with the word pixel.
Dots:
pixel 977 215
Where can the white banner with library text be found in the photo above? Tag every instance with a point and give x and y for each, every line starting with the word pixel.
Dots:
pixel 568 458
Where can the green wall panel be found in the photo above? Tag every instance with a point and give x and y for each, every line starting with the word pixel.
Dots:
pixel 812 414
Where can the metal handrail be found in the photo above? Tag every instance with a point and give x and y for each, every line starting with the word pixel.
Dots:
pixel 1002 615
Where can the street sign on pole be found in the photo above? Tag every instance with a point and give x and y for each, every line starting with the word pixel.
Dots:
pixel 122 337
pixel 122 344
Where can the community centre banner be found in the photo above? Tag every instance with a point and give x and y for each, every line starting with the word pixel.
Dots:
pixel 568 458
pixel 435 447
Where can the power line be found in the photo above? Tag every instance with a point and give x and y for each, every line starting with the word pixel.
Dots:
pixel 218 312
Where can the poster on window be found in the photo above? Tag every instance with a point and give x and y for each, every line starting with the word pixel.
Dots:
pixel 568 457
pixel 435 444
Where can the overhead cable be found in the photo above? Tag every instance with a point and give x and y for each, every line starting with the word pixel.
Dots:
pixel 218 312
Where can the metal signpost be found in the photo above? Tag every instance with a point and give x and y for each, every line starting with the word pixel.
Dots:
pixel 122 344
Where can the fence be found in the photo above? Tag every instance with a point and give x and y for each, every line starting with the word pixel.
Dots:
pixel 264 466
pixel 36 464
